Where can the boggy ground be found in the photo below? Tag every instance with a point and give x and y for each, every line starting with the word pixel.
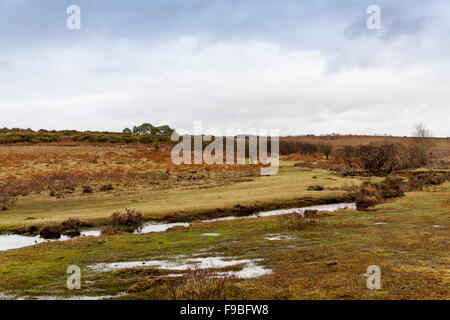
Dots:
pixel 166 192
pixel 408 238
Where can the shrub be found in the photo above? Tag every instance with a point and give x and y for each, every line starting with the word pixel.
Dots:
pixel 130 139
pixel 310 216
pixel 200 284
pixel 87 189
pixel 392 188
pixel 326 149
pixel 419 180
pixel 146 139
pixel 297 221
pixel 130 218
pixel 367 195
pixel 107 187
pixel 376 159
pixel 28 136
pixel 145 284
pixel 71 227
pixel 51 232
pixel 156 145
pixel 126 221
pixel 7 201
pixel 289 146
pixel 110 230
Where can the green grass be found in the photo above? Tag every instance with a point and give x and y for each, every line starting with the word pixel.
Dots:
pixel 412 255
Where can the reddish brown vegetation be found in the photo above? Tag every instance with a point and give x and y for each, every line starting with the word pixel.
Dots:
pixel 371 193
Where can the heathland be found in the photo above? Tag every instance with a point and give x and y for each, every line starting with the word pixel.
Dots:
pixel 66 182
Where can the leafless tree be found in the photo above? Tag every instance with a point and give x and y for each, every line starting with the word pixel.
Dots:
pixel 422 144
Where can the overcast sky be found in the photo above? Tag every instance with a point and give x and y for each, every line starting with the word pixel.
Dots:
pixel 298 66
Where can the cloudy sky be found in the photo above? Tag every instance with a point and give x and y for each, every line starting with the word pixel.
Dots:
pixel 298 66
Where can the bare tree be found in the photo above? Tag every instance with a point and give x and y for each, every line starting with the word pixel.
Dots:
pixel 422 132
pixel 326 149
pixel 422 144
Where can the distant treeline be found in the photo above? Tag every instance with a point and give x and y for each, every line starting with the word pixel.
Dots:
pixel 145 133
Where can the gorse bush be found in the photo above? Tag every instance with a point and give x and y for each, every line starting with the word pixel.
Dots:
pixel 92 137
pixel 290 146
pixel 29 137
pixel 145 134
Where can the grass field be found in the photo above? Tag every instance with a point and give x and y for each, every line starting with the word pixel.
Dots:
pixel 288 188
pixel 411 249
pixel 406 237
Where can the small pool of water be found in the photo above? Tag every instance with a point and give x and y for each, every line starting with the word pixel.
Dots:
pixel 12 297
pixel 250 268
pixel 14 241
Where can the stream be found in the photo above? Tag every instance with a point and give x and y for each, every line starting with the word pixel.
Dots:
pixel 15 241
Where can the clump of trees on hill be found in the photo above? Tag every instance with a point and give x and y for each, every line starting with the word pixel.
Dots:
pixel 145 133
pixel 147 128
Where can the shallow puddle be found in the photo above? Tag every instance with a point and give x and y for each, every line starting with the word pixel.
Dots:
pixel 12 297
pixel 14 241
pixel 275 237
pixel 160 227
pixel 249 270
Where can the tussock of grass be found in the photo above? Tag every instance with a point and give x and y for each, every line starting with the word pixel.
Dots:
pixel 296 221
pixel 126 221
pixel 200 284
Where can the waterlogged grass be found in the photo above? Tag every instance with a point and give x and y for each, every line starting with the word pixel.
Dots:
pixel 411 248
pixel 286 188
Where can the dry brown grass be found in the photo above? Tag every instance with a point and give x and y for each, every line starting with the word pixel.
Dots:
pixel 127 221
pixel 296 221
pixel 199 284
pixel 440 149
